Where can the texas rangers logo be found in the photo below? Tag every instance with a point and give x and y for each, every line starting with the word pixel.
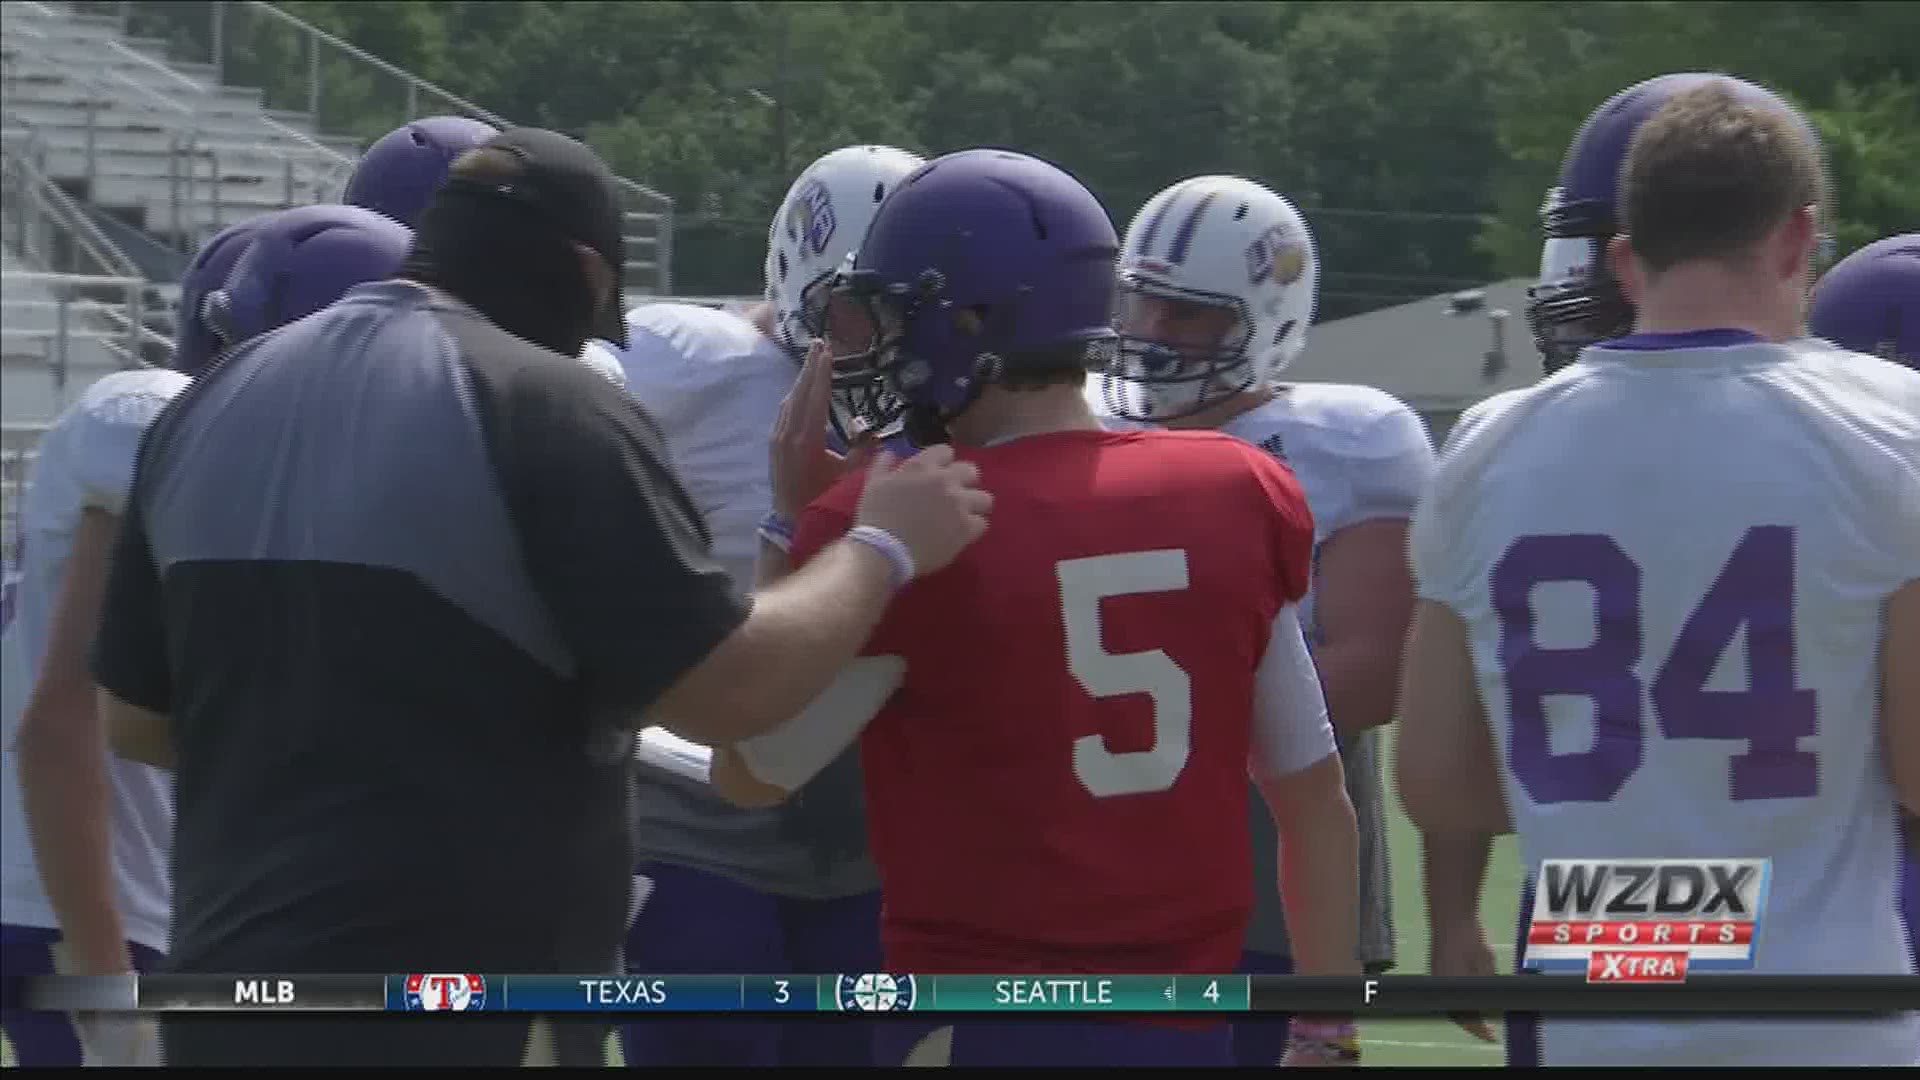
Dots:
pixel 1276 255
pixel 875 993
pixel 446 993
pixel 810 219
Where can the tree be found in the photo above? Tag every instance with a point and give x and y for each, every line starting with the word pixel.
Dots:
pixel 1420 138
pixel 1873 154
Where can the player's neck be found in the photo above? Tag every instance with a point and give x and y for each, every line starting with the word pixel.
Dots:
pixel 1220 413
pixel 1712 296
pixel 1001 414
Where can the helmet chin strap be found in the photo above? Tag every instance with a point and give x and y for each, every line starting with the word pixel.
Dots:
pixel 924 426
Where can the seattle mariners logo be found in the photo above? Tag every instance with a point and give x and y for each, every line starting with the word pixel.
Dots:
pixel 875 993
pixel 1277 255
pixel 446 993
pixel 810 219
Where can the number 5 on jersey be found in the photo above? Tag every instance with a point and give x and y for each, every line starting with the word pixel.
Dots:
pixel 1083 584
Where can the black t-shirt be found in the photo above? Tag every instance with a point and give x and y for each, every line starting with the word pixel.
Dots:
pixel 403 583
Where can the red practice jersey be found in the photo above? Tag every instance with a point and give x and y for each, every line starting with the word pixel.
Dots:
pixel 1060 783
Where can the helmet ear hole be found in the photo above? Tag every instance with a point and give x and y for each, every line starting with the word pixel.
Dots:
pixel 783 266
pixel 216 314
pixel 1240 214
pixel 879 191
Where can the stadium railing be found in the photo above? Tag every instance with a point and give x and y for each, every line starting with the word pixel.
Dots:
pixel 19 443
pixel 339 69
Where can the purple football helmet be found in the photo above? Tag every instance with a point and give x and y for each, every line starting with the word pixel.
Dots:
pixel 1870 301
pixel 299 261
pixel 977 263
pixel 194 345
pixel 1577 302
pixel 398 175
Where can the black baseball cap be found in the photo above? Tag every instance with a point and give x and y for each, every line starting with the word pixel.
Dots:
pixel 568 185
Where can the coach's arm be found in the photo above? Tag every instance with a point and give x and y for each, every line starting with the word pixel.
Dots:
pixel 618 552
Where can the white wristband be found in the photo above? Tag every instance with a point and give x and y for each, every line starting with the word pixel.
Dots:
pixel 664 750
pixel 889 545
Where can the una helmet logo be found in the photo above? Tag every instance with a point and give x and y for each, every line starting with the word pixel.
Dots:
pixel 1276 255
pixel 810 221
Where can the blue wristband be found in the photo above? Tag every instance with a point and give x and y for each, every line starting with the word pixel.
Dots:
pixel 777 529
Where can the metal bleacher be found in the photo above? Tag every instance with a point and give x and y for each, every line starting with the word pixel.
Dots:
pixel 121 158
pixel 168 146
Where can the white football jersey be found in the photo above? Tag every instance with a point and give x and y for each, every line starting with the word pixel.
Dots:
pixel 713 383
pixel 85 461
pixel 599 357
pixel 1671 563
pixel 1360 455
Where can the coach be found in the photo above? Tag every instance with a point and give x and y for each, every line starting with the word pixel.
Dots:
pixel 395 585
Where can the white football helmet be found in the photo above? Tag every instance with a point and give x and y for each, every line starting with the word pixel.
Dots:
pixel 1213 255
pixel 819 224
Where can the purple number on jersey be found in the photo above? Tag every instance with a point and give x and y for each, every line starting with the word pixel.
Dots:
pixel 1754 590
pixel 1602 671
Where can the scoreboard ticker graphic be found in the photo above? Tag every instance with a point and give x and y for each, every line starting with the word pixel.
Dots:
pixel 1386 995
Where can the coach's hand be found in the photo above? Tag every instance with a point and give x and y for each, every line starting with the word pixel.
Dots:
pixel 930 502
pixel 803 467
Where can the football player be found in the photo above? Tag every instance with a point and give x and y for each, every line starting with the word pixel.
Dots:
pixel 1870 303
pixel 1062 723
pixel 1577 302
pixel 88 834
pixel 1218 282
pixel 399 173
pixel 720 888
pixel 1657 590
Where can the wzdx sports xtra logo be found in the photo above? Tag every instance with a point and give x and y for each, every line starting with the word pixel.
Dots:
pixel 1646 920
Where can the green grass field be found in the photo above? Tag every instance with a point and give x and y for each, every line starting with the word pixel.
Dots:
pixel 1397 1042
